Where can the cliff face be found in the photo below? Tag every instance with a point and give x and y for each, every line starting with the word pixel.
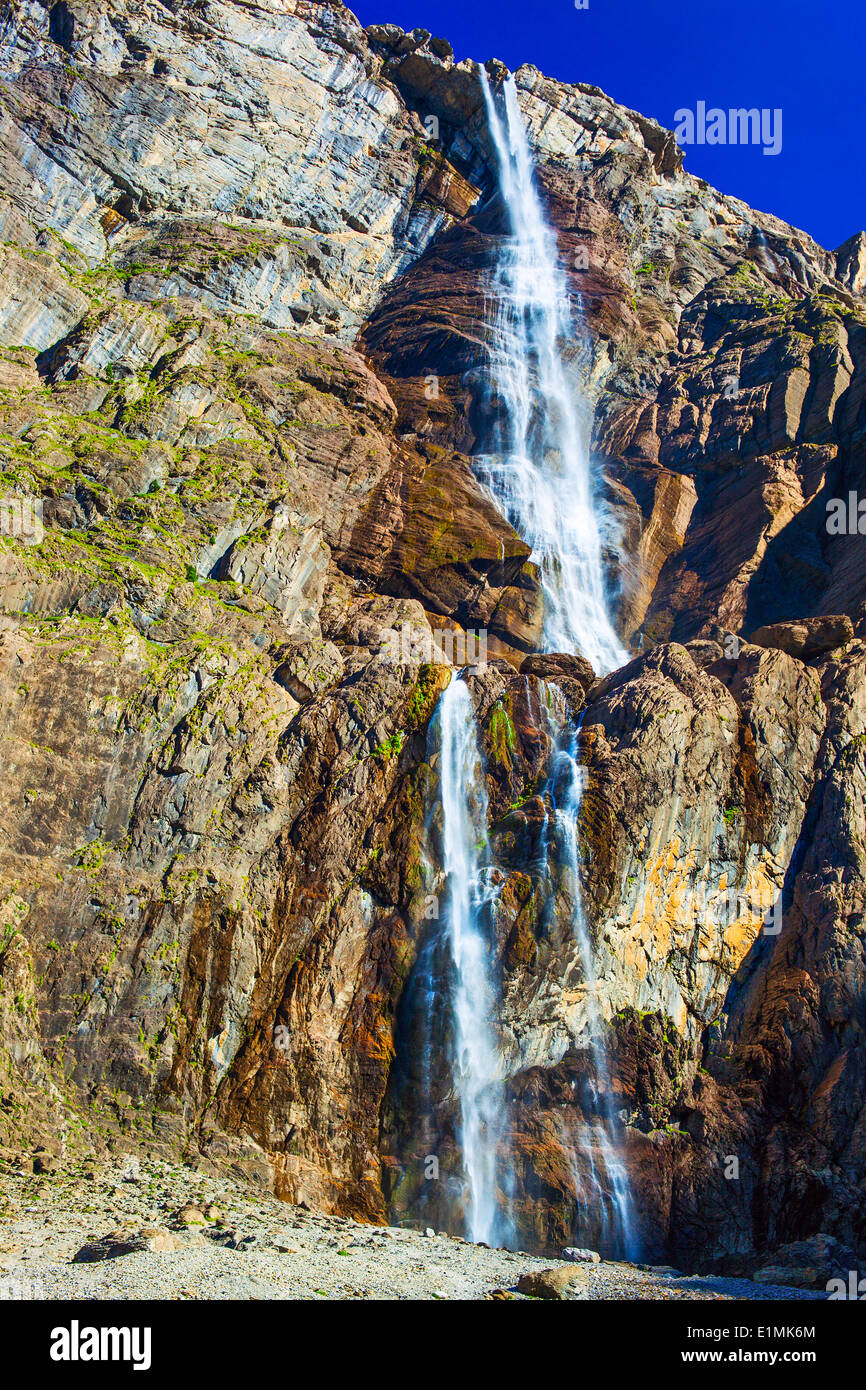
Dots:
pixel 242 317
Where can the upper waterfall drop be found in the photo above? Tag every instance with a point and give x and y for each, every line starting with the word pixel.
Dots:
pixel 539 469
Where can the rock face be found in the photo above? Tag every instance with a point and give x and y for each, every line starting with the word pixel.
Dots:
pixel 242 378
pixel 267 118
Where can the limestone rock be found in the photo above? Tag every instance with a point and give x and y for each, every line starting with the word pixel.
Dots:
pixel 38 303
pixel 809 1264
pixel 165 133
pixel 851 262
pixel 794 1275
pixel 559 666
pixel 242 344
pixel 190 1215
pixel 308 669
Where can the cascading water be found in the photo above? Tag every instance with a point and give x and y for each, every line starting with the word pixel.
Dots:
pixel 539 468
pixel 598 1170
pixel 540 473
pixel 475 1063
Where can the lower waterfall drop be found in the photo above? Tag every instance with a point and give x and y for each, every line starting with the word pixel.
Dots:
pixel 599 1173
pixel 475 1064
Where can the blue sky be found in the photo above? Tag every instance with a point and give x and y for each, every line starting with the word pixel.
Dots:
pixel 805 58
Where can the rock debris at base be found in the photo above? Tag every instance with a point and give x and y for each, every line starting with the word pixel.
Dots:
pixel 157 1231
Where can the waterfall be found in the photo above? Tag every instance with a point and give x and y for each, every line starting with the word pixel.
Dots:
pixel 539 469
pixel 475 1064
pixel 597 1167
pixel 539 472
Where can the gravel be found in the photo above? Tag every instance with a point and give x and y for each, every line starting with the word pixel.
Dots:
pixel 237 1243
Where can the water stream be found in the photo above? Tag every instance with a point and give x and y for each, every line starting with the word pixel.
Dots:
pixel 605 1207
pixel 538 467
pixel 476 1070
pixel 538 471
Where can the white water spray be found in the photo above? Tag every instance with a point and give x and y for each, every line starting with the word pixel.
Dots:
pixel 539 471
pixel 476 1071
pixel 542 477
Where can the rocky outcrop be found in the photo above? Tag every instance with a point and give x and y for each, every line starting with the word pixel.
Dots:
pixel 731 1029
pixel 810 638
pixel 784 1093
pixel 242 380
pixel 144 127
pixel 851 262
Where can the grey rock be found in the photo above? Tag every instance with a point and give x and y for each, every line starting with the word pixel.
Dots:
pixel 155 1240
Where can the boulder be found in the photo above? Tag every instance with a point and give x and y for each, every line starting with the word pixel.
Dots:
pixel 807 638
pixel 112 1246
pixel 579 1256
pixel 558 1282
pixel 496 70
pixel 559 666
pixel 45 1163
pixel 794 1276
pixel 704 652
pixel 308 669
pixel 384 35
pixel 442 49
pixel 190 1215
pixel 810 1264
